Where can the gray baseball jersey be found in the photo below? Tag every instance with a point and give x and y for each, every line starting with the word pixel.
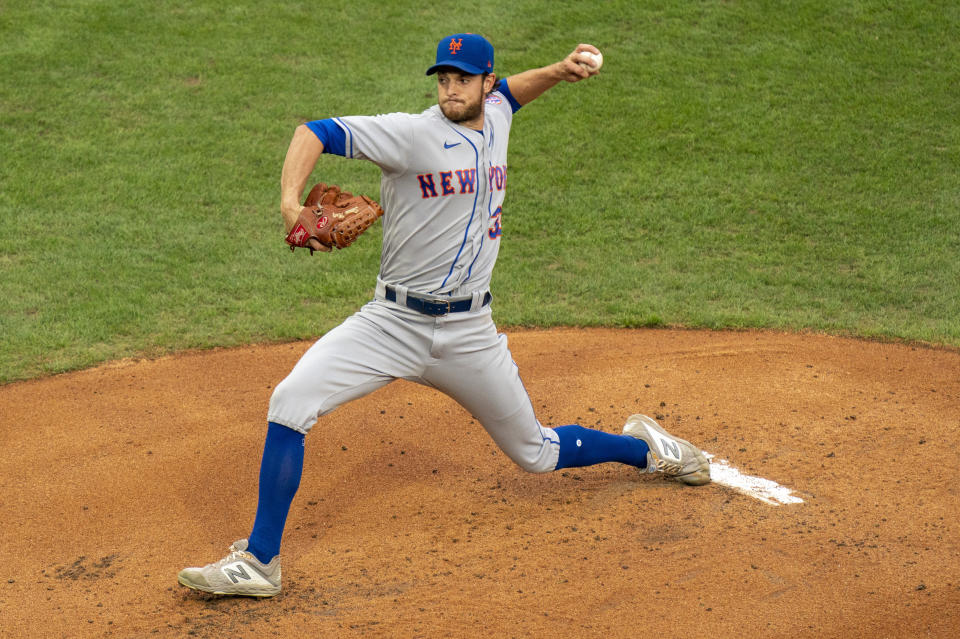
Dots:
pixel 442 188
pixel 442 191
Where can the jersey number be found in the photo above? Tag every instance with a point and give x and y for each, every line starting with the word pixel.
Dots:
pixel 495 229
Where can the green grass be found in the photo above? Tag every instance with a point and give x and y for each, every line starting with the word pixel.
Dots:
pixel 790 165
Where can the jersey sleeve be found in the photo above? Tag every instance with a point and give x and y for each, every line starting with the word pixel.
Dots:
pixel 330 135
pixel 385 140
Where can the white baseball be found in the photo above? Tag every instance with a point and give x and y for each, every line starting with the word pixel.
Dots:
pixel 595 61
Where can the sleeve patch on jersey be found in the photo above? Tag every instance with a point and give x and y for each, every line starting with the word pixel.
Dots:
pixel 494 99
pixel 504 88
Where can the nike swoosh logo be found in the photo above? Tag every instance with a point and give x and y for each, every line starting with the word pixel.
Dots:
pixel 447 145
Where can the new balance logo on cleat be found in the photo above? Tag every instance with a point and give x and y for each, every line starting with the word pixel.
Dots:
pixel 238 570
pixel 670 449
pixel 235 572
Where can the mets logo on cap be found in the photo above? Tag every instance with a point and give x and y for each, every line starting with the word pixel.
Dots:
pixel 455 45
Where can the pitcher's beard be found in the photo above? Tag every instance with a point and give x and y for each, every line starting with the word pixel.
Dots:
pixel 459 112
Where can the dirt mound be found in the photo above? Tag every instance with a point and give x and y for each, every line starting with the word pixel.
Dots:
pixel 410 523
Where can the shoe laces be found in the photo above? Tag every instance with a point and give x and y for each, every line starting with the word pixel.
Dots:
pixel 235 554
pixel 668 468
pixel 657 465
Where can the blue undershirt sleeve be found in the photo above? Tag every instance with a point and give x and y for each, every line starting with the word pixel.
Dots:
pixel 331 135
pixel 505 90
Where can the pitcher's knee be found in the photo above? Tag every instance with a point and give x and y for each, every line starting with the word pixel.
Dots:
pixel 535 458
pixel 283 393
pixel 532 447
pixel 537 466
pixel 290 407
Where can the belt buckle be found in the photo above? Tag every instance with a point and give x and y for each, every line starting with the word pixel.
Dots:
pixel 436 308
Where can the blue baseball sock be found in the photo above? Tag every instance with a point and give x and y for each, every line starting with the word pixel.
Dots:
pixel 280 471
pixel 585 447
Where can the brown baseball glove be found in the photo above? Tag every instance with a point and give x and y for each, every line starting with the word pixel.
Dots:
pixel 332 218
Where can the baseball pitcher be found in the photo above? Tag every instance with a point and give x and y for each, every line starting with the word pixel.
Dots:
pixel 442 191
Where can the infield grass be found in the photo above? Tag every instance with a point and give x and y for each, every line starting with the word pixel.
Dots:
pixel 786 165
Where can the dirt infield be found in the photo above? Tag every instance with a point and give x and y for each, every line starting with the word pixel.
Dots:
pixel 410 523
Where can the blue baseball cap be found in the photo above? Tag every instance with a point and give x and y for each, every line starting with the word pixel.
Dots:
pixel 469 52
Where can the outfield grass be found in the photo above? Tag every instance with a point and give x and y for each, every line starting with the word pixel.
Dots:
pixel 791 165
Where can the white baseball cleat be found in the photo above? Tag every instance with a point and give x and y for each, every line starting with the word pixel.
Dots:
pixel 239 573
pixel 672 456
